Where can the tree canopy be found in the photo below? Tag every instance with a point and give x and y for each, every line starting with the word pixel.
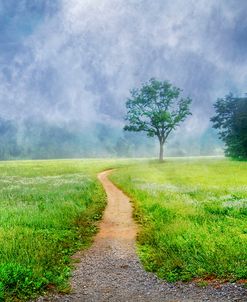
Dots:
pixel 231 122
pixel 157 109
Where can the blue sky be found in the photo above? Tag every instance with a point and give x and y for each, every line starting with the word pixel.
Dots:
pixel 76 60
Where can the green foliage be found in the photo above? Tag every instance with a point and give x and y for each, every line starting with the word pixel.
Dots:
pixel 49 209
pixel 157 109
pixel 193 217
pixel 231 121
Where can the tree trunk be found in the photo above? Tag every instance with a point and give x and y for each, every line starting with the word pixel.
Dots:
pixel 161 158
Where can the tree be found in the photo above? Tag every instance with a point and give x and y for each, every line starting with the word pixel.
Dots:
pixel 157 109
pixel 231 121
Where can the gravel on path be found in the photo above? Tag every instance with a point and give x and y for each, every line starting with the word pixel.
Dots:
pixel 111 271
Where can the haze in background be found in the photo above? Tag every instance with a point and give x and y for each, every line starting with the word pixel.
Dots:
pixel 66 68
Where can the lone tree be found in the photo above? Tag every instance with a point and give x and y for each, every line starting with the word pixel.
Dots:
pixel 231 122
pixel 157 109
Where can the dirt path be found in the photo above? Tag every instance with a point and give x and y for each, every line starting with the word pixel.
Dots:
pixel 111 271
pixel 117 221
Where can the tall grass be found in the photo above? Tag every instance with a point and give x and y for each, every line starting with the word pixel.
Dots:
pixel 48 210
pixel 193 217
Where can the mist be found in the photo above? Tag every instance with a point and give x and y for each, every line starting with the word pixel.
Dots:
pixel 66 68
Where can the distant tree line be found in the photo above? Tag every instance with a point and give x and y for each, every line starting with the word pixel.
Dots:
pixel 40 139
pixel 8 140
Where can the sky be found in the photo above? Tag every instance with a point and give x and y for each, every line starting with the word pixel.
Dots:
pixel 76 60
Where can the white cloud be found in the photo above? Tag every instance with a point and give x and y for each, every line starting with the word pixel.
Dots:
pixel 81 63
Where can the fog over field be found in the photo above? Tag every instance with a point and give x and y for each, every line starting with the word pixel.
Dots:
pixel 66 68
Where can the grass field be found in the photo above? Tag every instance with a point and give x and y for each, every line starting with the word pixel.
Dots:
pixel 48 211
pixel 193 216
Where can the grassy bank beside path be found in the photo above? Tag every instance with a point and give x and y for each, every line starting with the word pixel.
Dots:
pixel 48 210
pixel 193 216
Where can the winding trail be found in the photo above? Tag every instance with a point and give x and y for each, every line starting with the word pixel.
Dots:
pixel 110 270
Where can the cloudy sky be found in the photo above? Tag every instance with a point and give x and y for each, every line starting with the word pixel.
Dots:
pixel 76 60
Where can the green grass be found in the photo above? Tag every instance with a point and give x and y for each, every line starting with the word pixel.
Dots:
pixel 48 210
pixel 193 216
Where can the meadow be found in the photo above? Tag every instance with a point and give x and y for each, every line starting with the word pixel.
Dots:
pixel 49 209
pixel 192 215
